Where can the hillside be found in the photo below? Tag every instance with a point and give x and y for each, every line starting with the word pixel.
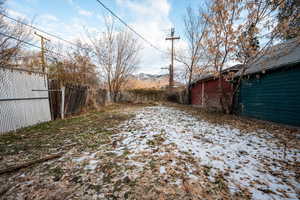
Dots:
pixel 143 80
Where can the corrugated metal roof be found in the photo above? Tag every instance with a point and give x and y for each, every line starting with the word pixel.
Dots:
pixel 208 76
pixel 203 77
pixel 278 56
pixel 275 57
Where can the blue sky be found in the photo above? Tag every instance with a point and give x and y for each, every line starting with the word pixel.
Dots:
pixel 69 18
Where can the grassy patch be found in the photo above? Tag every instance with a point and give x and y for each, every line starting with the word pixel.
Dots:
pixel 156 141
pixel 206 170
pixel 87 132
pixel 57 173
pixel 126 152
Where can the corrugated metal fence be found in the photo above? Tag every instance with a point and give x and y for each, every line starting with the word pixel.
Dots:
pixel 20 105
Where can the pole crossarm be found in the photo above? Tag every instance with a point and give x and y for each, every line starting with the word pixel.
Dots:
pixel 43 39
pixel 173 38
pixel 171 69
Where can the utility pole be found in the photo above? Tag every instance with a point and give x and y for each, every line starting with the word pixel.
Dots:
pixel 172 38
pixel 43 39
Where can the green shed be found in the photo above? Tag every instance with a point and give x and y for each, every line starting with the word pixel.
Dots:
pixel 270 89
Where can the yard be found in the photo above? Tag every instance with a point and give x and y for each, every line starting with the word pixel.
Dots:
pixel 152 152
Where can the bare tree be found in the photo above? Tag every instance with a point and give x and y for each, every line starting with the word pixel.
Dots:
pixel 117 55
pixel 262 32
pixel 76 66
pixel 11 37
pixel 195 30
pixel 288 18
pixel 81 57
pixel 30 60
pixel 221 41
pixel 239 32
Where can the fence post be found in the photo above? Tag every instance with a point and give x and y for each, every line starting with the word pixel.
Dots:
pixel 62 108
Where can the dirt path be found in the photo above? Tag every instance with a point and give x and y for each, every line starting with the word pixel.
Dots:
pixel 165 153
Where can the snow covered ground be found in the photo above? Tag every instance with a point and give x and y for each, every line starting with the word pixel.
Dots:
pixel 254 161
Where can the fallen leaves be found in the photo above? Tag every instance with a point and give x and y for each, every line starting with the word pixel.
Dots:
pixel 154 155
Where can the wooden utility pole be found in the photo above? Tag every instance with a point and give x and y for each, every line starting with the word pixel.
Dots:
pixel 172 38
pixel 43 39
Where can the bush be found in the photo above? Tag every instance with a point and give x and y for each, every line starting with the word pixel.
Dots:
pixel 143 95
pixel 178 96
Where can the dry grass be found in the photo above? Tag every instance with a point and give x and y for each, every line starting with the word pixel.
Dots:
pixel 116 176
pixel 287 135
pixel 84 131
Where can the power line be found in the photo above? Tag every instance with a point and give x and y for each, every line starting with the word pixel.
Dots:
pixel 28 43
pixel 19 40
pixel 72 43
pixel 33 45
pixel 42 31
pixel 129 27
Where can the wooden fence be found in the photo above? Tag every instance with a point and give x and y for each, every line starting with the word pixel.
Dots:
pixel 74 99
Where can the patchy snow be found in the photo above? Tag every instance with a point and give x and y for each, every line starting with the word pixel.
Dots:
pixel 84 156
pixel 249 160
pixel 92 165
pixel 89 159
pixel 162 169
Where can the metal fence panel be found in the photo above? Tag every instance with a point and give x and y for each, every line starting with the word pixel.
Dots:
pixel 20 106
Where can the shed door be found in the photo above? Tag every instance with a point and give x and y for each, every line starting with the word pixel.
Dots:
pixel 274 97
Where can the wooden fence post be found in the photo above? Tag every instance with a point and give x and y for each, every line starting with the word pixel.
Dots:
pixel 62 108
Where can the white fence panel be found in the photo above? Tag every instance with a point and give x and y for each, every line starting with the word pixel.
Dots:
pixel 20 106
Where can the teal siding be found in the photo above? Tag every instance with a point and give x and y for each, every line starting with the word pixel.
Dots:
pixel 274 97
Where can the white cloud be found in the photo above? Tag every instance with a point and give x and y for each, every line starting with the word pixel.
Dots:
pixel 71 2
pixel 85 12
pixel 79 10
pixel 150 19
pixel 49 17
pixel 32 1
pixel 16 14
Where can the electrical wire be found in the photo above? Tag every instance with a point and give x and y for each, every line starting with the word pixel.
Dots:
pixel 33 45
pixel 42 31
pixel 129 27
pixel 72 43
pixel 29 44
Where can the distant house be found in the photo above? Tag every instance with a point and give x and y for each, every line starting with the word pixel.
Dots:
pixel 270 89
pixel 205 90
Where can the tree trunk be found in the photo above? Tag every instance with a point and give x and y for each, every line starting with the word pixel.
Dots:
pixel 188 89
pixel 223 97
pixel 235 90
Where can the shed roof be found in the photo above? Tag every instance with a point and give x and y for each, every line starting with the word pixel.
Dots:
pixel 278 56
pixel 209 76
